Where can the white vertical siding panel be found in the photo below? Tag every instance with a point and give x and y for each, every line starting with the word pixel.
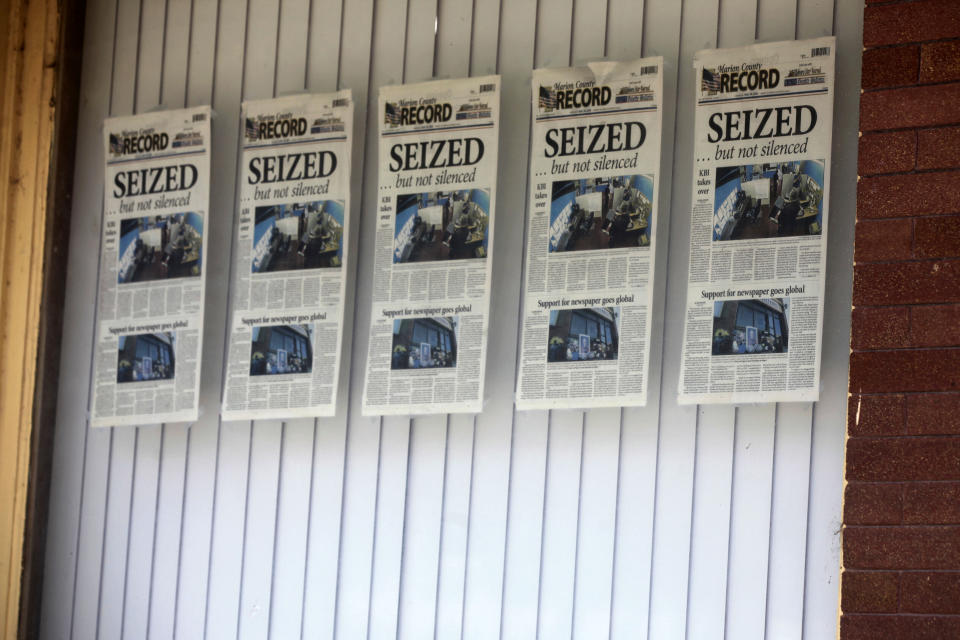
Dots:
pixel 421 529
pixel 143 501
pixel 160 601
pixel 120 458
pixel 68 486
pixel 449 56
pixel 176 56
pixel 456 33
pixel 225 573
pixel 259 529
pixel 561 502
pixel 776 20
pixel 829 414
pixel 750 522
pixel 706 600
pixel 290 543
pixel 595 524
pixel 204 30
pixel 217 456
pixel 218 608
pixel 116 530
pixel 627 39
pixel 333 24
pixel 293 37
pixel 521 583
pixel 166 544
pixel 791 468
pixel 388 542
pixel 561 499
pixel 560 492
pixel 453 532
pixel 589 31
pixel 676 445
pixel 713 473
pixel 713 470
pixel 528 449
pixel 257 508
pixel 597 503
pixel 394 462
pixel 753 465
pixel 483 599
pixel 815 19
pixel 289 549
pixel 788 521
pixel 419 537
pixel 143 511
pixel 325 42
pixel 358 519
pixel 150 57
pixel 484 45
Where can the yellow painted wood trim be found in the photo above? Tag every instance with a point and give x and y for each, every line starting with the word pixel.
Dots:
pixel 29 62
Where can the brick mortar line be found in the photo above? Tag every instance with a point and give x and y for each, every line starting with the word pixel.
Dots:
pixel 930 260
pixel 889 3
pixel 901 349
pixel 904 614
pixel 924 127
pixel 919 84
pixel 901 571
pixel 911 43
pixel 905 525
pixel 901 305
pixel 912 172
pixel 899 393
pixel 896 483
pixel 952 347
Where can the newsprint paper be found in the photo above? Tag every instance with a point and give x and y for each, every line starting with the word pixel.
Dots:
pixel 758 237
pixel 434 247
pixel 594 185
pixel 290 257
pixel 153 264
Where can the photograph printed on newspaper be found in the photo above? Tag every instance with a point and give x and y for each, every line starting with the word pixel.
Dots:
pixel 594 186
pixel 758 228
pixel 434 244
pixel 152 268
pixel 290 256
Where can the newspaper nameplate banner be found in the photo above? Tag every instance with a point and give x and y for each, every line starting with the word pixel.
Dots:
pixel 153 262
pixel 594 185
pixel 434 245
pixel 290 259
pixel 758 237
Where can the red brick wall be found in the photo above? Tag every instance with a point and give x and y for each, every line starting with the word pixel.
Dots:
pixel 901 541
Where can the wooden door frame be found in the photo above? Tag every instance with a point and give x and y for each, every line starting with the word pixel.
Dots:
pixel 40 52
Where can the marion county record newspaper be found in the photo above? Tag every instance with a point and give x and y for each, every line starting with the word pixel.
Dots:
pixel 434 245
pixel 290 257
pixel 758 238
pixel 594 185
pixel 153 262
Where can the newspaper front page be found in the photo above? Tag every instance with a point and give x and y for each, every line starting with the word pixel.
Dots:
pixel 594 185
pixel 290 258
pixel 758 237
pixel 434 246
pixel 153 261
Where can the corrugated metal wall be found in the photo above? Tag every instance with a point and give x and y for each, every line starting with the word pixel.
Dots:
pixel 661 522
